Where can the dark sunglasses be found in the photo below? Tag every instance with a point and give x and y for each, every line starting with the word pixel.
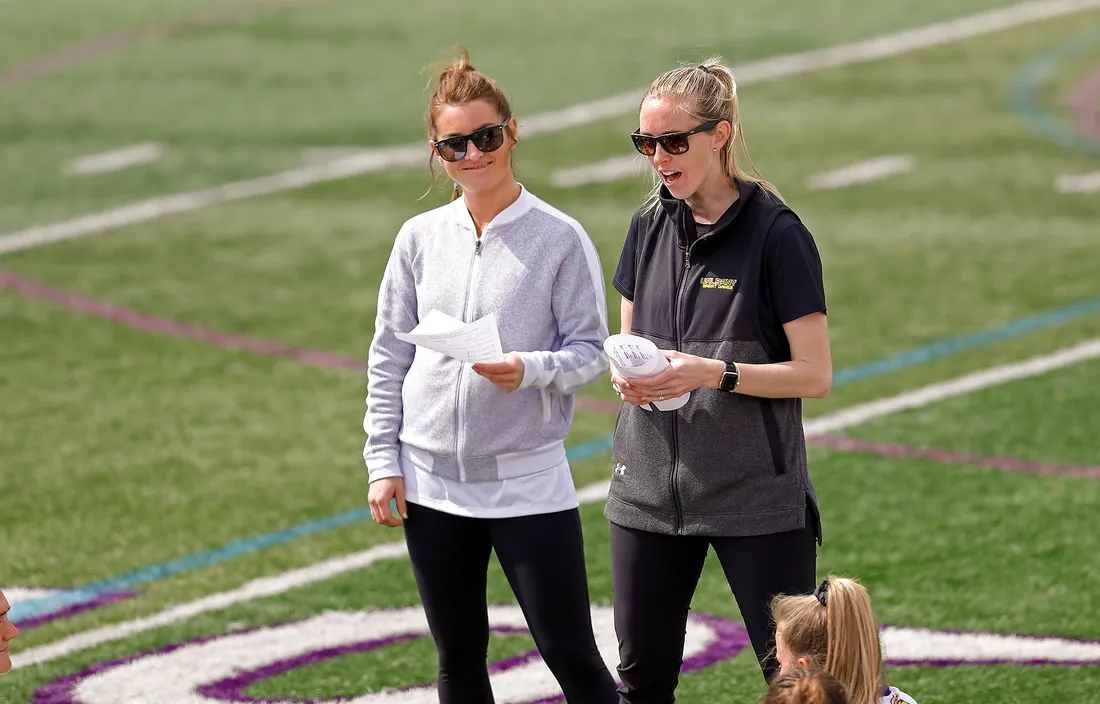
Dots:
pixel 673 142
pixel 486 139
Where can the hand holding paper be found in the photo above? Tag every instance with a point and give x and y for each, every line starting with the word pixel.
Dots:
pixel 635 357
pixel 506 375
pixel 474 342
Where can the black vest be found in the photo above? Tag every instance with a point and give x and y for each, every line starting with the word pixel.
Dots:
pixel 725 464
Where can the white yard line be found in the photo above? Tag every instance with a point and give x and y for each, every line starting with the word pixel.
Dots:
pixel 874 49
pixel 1078 183
pixel 862 172
pixel 613 169
pixel 295 579
pixel 314 156
pixel 256 589
pixel 154 208
pixel 114 160
pixel 968 383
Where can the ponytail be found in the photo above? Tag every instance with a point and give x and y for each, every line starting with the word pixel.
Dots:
pixel 835 629
pixel 708 91
pixel 854 650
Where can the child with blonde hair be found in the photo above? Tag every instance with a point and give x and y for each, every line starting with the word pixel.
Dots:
pixel 806 687
pixel 835 629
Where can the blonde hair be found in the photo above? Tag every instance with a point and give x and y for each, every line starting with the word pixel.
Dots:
pixel 841 636
pixel 806 687
pixel 707 92
pixel 460 83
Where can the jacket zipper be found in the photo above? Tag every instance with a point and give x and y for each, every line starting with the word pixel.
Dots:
pixel 459 419
pixel 678 321
pixel 675 424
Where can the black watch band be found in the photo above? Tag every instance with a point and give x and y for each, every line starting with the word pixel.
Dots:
pixel 731 378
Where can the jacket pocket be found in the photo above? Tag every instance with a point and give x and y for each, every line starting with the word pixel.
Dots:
pixel 771 427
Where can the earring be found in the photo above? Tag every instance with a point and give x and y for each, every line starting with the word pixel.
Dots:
pixel 456 186
pixel 715 149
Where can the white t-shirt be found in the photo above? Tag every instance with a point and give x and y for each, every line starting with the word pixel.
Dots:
pixel 547 491
pixel 894 695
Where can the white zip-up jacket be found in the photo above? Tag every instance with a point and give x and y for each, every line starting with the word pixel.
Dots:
pixel 537 270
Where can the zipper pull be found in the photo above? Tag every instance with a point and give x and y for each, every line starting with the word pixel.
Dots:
pixel 687 257
pixel 477 247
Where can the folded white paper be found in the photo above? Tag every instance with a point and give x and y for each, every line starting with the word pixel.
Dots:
pixel 474 342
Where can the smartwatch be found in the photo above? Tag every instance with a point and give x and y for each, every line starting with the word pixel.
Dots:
pixel 731 378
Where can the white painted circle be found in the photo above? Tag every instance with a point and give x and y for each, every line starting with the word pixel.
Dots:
pixel 175 677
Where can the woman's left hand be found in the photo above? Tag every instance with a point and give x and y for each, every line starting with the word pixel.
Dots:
pixel 505 375
pixel 686 373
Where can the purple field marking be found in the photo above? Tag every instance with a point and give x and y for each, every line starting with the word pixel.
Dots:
pixel 84 52
pixel 152 323
pixel 732 639
pixel 254 345
pixel 1013 464
pixel 101 600
pixel 233 689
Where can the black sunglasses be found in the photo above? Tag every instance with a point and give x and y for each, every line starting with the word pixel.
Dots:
pixel 673 142
pixel 486 139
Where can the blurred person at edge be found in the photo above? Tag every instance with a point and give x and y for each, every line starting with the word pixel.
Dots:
pixel 8 632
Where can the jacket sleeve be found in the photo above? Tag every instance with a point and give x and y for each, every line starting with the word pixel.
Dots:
pixel 579 305
pixel 388 361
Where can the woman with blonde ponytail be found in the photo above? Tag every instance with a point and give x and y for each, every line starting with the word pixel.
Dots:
pixel 722 276
pixel 835 629
pixel 472 455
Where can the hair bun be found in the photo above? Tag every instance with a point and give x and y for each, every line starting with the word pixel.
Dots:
pixel 458 66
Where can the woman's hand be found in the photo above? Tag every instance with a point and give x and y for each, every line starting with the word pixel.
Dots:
pixel 379 496
pixel 626 391
pixel 505 375
pixel 686 373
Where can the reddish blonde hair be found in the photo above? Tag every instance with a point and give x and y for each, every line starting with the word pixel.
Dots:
pixel 459 83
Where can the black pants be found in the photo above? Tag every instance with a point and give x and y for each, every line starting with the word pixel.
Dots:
pixel 543 559
pixel 654 578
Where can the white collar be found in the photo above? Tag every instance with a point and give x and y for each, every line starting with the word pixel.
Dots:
pixel 513 212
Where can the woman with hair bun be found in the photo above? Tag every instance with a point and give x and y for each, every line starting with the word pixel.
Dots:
pixel 473 456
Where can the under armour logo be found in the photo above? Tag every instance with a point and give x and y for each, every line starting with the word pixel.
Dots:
pixel 620 468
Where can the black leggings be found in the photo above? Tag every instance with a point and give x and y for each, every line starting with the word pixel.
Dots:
pixel 543 559
pixel 654 578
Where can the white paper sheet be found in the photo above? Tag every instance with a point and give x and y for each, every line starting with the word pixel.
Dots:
pixel 478 341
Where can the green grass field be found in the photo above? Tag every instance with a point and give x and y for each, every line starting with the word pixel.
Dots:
pixel 124 448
